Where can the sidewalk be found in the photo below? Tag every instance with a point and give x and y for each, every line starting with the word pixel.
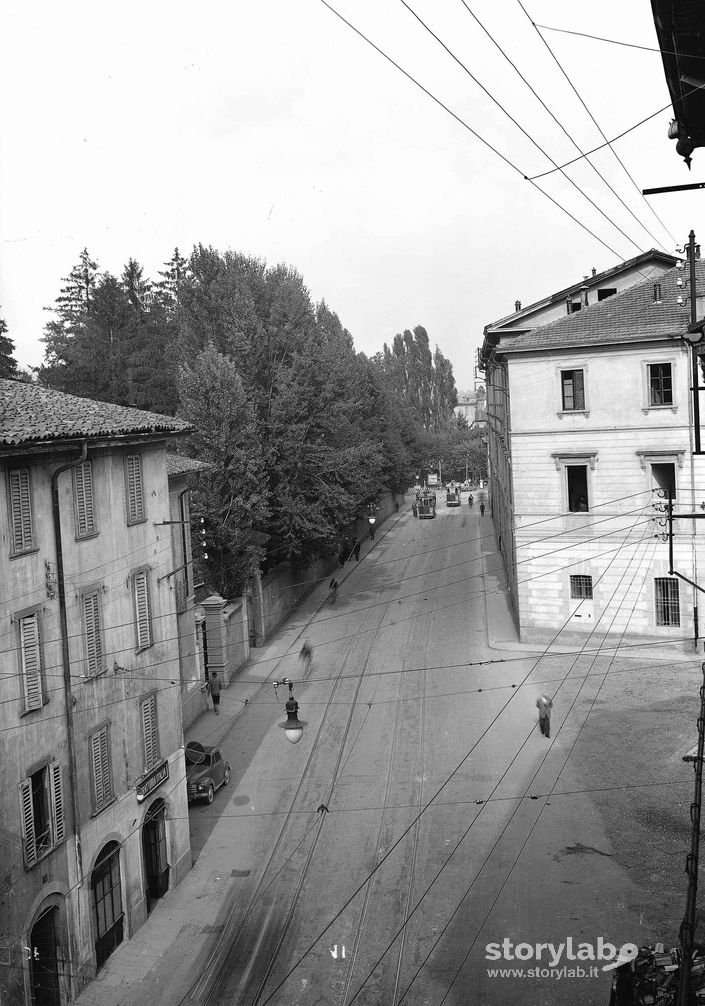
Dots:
pixel 160 962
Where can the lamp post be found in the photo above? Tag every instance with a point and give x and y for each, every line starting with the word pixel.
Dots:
pixel 293 727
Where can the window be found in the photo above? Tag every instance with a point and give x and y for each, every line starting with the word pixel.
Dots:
pixel 667 601
pixel 663 476
pixel 572 390
pixel 31 661
pixel 581 587
pixel 660 384
pixel 84 511
pixel 42 812
pixel 143 613
pixel 101 771
pixel 577 488
pixel 21 530
pixel 93 633
pixel 605 293
pixel 150 733
pixel 134 489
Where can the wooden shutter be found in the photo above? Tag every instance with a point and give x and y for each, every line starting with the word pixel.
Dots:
pixel 83 499
pixel 27 817
pixel 135 497
pixel 57 803
pixel 100 768
pixel 21 510
pixel 143 615
pixel 149 732
pixel 91 620
pixel 30 656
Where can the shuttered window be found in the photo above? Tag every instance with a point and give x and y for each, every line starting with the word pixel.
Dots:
pixel 21 531
pixel 84 510
pixel 134 488
pixel 92 629
pixel 41 812
pixel 150 733
pixel 101 775
pixel 31 662
pixel 143 613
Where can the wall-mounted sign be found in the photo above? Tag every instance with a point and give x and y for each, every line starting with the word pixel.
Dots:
pixel 149 782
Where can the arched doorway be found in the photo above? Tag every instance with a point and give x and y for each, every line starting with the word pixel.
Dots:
pixel 106 892
pixel 43 963
pixel 154 847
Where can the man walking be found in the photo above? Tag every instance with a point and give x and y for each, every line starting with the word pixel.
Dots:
pixel 214 685
pixel 544 705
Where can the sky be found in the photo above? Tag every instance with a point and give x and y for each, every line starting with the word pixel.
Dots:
pixel 273 129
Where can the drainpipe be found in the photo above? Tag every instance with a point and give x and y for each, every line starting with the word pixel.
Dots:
pixel 63 622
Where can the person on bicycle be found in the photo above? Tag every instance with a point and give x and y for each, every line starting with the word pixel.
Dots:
pixel 471 499
pixel 306 655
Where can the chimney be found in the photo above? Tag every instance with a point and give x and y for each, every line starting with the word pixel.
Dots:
pixel 517 305
pixel 657 293
pixel 569 305
pixel 584 296
pixel 594 271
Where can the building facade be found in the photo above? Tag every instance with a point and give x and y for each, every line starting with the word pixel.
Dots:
pixel 590 429
pixel 93 807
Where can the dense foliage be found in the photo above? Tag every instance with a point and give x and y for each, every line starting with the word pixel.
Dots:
pixel 301 430
pixel 8 364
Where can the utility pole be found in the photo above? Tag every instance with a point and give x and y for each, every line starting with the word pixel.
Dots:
pixel 687 930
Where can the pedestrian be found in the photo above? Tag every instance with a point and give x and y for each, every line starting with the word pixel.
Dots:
pixel 333 587
pixel 396 507
pixel 414 510
pixel 214 688
pixel 372 532
pixel 356 549
pixel 482 509
pixel 544 705
pixel 306 656
pixel 342 553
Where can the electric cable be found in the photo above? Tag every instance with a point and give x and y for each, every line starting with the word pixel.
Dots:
pixel 477 135
pixel 560 124
pixel 522 130
pixel 594 120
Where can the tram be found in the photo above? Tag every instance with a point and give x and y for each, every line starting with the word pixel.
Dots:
pixel 427 505
pixel 453 497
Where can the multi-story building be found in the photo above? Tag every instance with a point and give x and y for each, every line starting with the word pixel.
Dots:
pixel 590 428
pixel 93 807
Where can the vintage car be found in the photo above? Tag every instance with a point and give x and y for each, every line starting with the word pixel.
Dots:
pixel 206 771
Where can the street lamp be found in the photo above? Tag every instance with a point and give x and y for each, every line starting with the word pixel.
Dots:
pixel 293 727
pixel 371 513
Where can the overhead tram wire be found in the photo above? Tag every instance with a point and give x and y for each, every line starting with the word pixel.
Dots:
pixel 528 135
pixel 615 41
pixel 497 785
pixel 416 818
pixel 469 128
pixel 598 127
pixel 560 124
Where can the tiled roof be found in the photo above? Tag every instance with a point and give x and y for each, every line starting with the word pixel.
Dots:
pixel 176 464
pixel 626 317
pixel 32 414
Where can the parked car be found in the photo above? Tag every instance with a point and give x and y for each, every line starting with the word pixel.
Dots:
pixel 206 771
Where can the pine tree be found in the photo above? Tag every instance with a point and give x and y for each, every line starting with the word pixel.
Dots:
pixel 8 364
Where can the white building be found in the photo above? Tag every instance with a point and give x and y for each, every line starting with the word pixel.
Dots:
pixel 588 418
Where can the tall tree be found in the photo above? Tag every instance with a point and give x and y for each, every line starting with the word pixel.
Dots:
pixel 8 364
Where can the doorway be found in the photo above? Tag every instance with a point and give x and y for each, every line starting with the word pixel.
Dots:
pixel 154 848
pixel 107 903
pixel 43 965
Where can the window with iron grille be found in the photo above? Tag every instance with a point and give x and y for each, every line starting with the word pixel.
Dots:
pixel 92 629
pixel 31 661
pixel 101 769
pixel 134 489
pixel 572 390
pixel 150 732
pixel 21 527
pixel 84 510
pixel 667 601
pixel 41 812
pixel 581 587
pixel 143 611
pixel 660 384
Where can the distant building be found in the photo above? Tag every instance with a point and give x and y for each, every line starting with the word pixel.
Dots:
pixel 471 405
pixel 92 793
pixel 589 427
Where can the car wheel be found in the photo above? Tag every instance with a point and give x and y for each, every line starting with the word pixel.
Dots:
pixel 226 777
pixel 210 794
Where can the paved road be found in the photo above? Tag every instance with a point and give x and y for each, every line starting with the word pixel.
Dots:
pixel 441 834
